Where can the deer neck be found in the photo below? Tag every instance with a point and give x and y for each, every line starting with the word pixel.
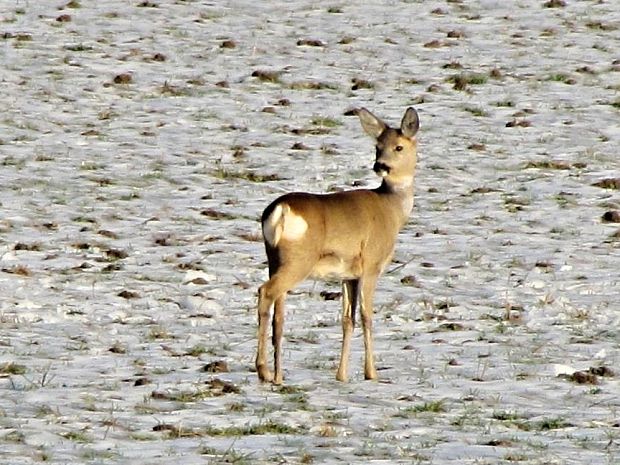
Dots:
pixel 399 194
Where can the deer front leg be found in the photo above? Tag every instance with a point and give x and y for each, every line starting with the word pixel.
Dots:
pixel 349 304
pixel 278 324
pixel 264 308
pixel 367 297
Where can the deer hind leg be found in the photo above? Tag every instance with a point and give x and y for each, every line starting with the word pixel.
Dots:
pixel 264 309
pixel 367 297
pixel 276 337
pixel 273 293
pixel 350 293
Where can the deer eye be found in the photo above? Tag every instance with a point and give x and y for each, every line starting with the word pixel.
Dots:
pixel 399 148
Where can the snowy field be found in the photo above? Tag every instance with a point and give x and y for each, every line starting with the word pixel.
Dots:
pixel 139 143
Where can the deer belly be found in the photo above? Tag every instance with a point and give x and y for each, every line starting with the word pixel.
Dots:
pixel 333 267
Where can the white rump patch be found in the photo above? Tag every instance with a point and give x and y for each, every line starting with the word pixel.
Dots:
pixel 283 223
pixel 272 227
pixel 295 226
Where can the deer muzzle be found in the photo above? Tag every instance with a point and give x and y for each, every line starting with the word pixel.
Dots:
pixel 381 169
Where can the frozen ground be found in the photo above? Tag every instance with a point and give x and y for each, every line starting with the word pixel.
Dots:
pixel 139 142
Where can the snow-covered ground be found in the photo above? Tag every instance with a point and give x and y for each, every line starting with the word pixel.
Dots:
pixel 139 143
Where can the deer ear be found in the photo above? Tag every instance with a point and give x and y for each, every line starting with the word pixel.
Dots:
pixel 411 123
pixel 371 124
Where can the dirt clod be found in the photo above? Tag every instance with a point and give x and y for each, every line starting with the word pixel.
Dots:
pixel 126 294
pixel 123 78
pixel 612 216
pixel 608 183
pixel 221 387
pixel 329 295
pixel 219 366
pixel 228 43
pixel 267 76
pixel 311 42
pixel 142 381
pixel 603 371
pixel 583 377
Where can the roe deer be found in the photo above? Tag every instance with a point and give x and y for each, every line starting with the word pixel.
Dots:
pixel 347 235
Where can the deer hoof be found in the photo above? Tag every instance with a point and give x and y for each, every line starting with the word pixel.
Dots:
pixel 264 375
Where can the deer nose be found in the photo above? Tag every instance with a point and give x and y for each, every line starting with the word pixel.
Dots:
pixel 381 168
